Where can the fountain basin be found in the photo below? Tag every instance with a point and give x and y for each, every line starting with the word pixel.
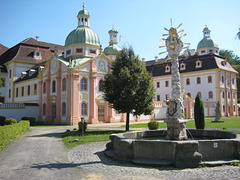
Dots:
pixel 212 147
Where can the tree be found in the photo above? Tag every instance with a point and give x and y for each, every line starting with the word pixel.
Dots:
pixel 128 86
pixel 199 115
pixel 230 57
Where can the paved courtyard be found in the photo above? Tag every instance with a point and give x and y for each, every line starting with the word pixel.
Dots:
pixel 41 154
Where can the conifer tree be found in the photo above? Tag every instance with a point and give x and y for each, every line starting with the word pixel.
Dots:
pixel 199 115
pixel 128 86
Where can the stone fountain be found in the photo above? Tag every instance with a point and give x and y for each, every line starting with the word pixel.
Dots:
pixel 171 146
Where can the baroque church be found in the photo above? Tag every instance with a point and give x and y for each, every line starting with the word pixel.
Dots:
pixel 64 83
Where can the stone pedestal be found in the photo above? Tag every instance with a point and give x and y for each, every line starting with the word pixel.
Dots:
pixel 176 129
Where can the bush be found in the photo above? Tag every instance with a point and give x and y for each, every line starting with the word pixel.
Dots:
pixel 10 121
pixel 32 120
pixel 9 133
pixel 199 115
pixel 152 125
pixel 84 126
pixel 2 120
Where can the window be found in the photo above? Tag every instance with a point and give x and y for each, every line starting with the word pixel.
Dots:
pixel 187 81
pixel 233 81
pixel 222 79
pixel 79 50
pixel 64 85
pixel 223 94
pixel 10 73
pixel 44 109
pixel 223 63
pixel 83 84
pixel 2 99
pixel 158 97
pixel 203 51
pixel 167 96
pixel 84 109
pixel 189 95
pixel 29 90
pixel 198 80
pixel 209 79
pixel 35 89
pixel 234 108
pixel 229 95
pixel 210 50
pixel 101 85
pixel 233 95
pixel 9 93
pixel 22 91
pixel 166 84
pixel 92 51
pixel 3 82
pixel 44 87
pixel 16 92
pixel 64 109
pixel 182 66
pixel 198 64
pixel 68 52
pixel 158 84
pixel 223 108
pixel 210 94
pixel 53 86
pixel 167 68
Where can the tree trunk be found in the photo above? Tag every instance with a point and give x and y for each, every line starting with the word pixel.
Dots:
pixel 127 122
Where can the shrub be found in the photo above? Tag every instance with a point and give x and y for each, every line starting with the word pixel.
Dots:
pixel 2 120
pixel 9 133
pixel 199 115
pixel 84 126
pixel 32 120
pixel 152 125
pixel 10 121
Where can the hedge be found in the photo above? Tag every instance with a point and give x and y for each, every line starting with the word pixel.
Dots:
pixel 32 120
pixel 9 133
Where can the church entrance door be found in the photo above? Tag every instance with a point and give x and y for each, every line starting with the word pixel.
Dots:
pixel 101 113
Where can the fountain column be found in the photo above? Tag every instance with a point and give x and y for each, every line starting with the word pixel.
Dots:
pixel 176 124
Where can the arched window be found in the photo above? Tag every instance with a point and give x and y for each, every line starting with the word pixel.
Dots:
pixel 84 109
pixel 44 87
pixel 209 79
pixel 187 81
pixel 210 94
pixel 64 85
pixel 53 86
pixel 222 79
pixel 83 84
pixel 44 109
pixel 64 109
pixel 101 85
pixel 198 80
pixel 223 94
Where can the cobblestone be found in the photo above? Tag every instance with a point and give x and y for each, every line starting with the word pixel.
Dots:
pixel 90 157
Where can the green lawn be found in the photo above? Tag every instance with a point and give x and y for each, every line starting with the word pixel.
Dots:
pixel 229 122
pixel 89 136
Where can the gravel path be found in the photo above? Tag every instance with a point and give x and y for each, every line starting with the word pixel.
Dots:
pixel 91 157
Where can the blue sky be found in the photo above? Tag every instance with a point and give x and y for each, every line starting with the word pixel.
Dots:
pixel 140 23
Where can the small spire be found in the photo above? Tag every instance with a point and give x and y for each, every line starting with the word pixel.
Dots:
pixel 83 6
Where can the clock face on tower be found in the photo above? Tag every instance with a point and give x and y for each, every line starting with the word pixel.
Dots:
pixel 54 66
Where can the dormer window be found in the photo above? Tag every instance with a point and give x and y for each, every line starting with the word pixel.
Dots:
pixel 223 63
pixel 37 55
pixel 182 66
pixel 31 72
pixel 23 74
pixel 198 64
pixel 167 68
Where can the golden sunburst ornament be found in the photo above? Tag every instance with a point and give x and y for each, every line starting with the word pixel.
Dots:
pixel 173 33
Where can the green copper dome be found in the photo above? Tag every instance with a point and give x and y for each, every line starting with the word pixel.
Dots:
pixel 83 11
pixel 112 49
pixel 82 35
pixel 207 42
